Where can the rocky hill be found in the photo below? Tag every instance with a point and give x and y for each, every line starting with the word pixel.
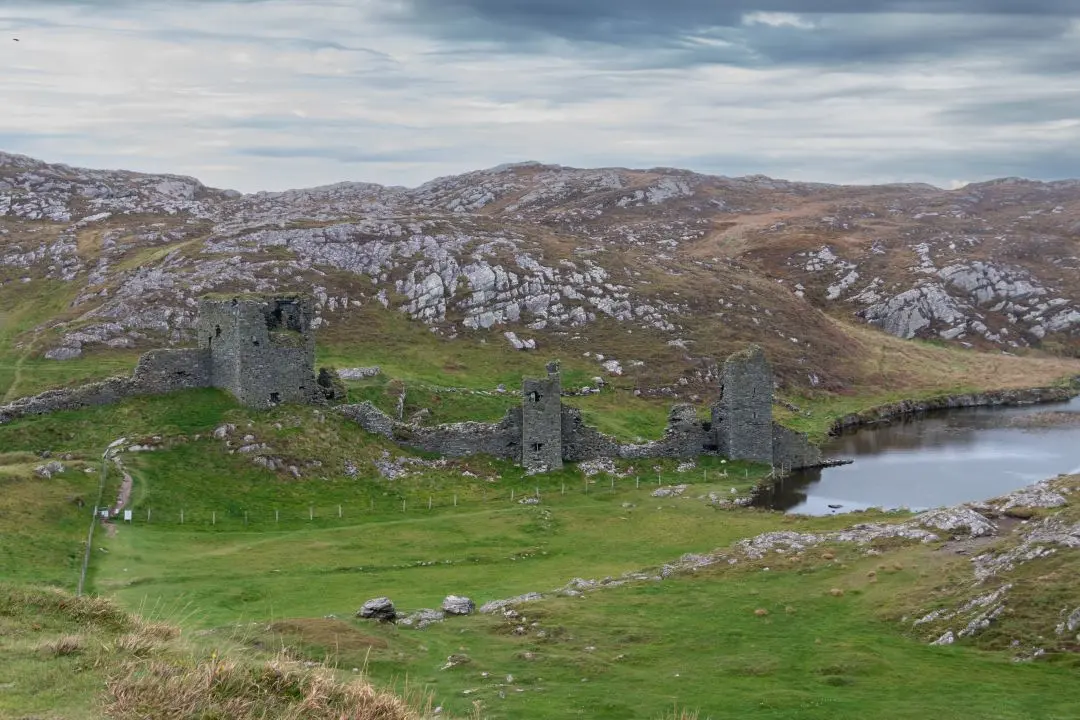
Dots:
pixel 538 257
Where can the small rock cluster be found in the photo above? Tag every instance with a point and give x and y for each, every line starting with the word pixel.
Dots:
pixel 383 610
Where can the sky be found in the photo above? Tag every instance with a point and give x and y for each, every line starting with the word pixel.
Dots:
pixel 276 94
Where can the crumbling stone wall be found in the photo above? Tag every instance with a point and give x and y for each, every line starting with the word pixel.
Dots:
pixel 158 372
pixel 581 442
pixel 165 371
pixel 742 419
pixel 541 421
pixel 531 433
pixel 501 440
pixel 792 450
pixel 262 350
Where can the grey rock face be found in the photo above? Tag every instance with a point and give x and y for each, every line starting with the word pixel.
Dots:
pixel 380 608
pixel 458 605
pixel 915 310
pixel 957 520
pixel 422 618
pixel 49 469
pixel 358 373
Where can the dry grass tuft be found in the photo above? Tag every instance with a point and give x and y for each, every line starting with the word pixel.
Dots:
pixel 216 687
pixel 64 646
pixel 837 592
pixel 677 714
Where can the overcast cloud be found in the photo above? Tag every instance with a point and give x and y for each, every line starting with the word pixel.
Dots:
pixel 272 94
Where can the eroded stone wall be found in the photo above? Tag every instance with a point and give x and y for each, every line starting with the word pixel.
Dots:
pixel 501 439
pixel 158 372
pixel 792 450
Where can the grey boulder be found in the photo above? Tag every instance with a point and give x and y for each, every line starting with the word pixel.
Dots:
pixel 378 609
pixel 457 605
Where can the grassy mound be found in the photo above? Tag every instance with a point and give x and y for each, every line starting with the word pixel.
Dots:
pixel 57 652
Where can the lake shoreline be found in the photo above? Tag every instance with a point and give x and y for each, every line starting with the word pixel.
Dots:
pixel 884 414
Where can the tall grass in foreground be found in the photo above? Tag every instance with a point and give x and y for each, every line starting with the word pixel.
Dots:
pixel 149 671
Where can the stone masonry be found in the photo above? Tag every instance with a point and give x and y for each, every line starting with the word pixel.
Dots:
pixel 261 350
pixel 742 418
pixel 541 421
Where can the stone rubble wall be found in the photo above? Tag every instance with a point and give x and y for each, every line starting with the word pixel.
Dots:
pixel 158 372
pixel 501 440
pixel 685 437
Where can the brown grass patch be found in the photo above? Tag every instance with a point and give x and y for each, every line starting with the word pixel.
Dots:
pixel 64 646
pixel 327 633
pixel 216 688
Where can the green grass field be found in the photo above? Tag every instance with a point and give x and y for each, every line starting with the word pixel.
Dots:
pixel 264 561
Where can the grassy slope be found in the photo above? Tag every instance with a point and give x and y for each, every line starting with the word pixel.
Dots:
pixel 640 649
pixel 77 658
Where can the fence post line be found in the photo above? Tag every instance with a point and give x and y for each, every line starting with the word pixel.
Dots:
pixel 148 516
pixel 181 516
pixel 277 516
pixel 311 512
pixel 637 482
pixel 402 506
pixel 428 502
pixel 213 517
pixel 455 499
pixel 94 521
pixel 339 511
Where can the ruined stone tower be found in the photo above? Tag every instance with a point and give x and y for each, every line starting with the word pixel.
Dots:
pixel 261 349
pixel 541 421
pixel 742 419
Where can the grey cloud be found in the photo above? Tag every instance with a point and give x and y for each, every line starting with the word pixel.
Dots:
pixel 688 32
pixel 346 154
pixel 1036 109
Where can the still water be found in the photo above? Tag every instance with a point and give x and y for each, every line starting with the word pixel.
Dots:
pixel 940 458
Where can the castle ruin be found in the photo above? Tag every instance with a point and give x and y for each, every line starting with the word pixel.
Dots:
pixel 542 433
pixel 259 348
pixel 541 421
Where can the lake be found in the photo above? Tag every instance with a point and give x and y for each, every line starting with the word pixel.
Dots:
pixel 936 459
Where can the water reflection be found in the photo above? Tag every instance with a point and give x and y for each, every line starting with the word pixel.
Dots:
pixel 940 458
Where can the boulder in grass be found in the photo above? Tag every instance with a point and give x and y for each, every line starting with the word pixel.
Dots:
pixel 381 609
pixel 458 605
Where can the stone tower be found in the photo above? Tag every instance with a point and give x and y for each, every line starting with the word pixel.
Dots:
pixel 742 419
pixel 541 421
pixel 261 349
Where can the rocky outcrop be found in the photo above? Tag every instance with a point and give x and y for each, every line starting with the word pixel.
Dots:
pixel 381 608
pixel 458 605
